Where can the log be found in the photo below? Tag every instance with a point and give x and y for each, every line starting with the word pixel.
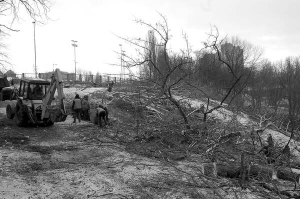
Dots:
pixel 282 173
pixel 255 171
pixel 275 190
pixel 287 174
pixel 262 173
pixel 228 171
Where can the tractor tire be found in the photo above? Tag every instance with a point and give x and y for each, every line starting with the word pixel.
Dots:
pixel 21 116
pixel 9 112
pixel 48 122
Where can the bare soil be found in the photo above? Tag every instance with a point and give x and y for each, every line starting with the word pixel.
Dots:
pixel 83 160
pixel 126 159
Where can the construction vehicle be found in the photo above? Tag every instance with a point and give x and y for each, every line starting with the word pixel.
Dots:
pixel 33 103
pixel 4 85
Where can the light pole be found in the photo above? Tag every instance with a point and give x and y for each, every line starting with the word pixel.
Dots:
pixel 121 61
pixel 53 66
pixel 35 68
pixel 123 67
pixel 74 44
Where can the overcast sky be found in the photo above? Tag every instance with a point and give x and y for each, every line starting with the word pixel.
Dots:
pixel 271 24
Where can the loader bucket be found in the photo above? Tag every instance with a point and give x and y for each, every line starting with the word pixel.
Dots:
pixel 93 116
pixel 57 115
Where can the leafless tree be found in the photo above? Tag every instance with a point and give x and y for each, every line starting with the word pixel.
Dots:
pixel 173 70
pixel 162 68
pixel 10 10
pixel 98 78
pixel 289 80
pixel 228 63
pixel 3 54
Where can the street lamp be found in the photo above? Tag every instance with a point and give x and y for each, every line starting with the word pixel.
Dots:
pixel 123 67
pixel 74 44
pixel 35 68
pixel 121 61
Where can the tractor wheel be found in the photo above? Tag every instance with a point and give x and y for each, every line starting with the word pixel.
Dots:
pixel 48 122
pixel 9 112
pixel 21 116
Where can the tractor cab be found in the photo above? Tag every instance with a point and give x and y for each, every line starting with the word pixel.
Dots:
pixel 33 89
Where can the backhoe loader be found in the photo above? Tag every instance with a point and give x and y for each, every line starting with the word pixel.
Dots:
pixel 32 103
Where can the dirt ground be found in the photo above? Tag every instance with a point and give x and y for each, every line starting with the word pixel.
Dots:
pixel 61 162
pixel 83 160
pixel 80 161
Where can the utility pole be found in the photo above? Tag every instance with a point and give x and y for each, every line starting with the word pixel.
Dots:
pixel 74 44
pixel 35 68
pixel 123 65
pixel 121 61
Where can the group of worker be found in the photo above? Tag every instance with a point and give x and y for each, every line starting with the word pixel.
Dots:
pixel 81 108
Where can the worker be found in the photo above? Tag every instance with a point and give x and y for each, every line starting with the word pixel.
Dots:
pixel 85 108
pixel 102 113
pixel 38 92
pixel 110 86
pixel 77 107
pixel 30 92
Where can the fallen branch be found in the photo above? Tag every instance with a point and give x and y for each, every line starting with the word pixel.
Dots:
pixel 273 189
pixel 233 171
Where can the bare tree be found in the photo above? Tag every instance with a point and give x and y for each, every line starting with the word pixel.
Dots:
pixel 98 78
pixel 3 54
pixel 162 68
pixel 289 80
pixel 228 67
pixel 36 9
pixel 173 72
pixel 10 11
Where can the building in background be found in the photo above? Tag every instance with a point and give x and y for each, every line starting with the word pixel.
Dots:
pixel 11 74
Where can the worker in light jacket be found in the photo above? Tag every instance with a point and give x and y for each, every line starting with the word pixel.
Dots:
pixel 77 107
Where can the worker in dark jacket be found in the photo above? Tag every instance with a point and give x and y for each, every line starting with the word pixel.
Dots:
pixel 110 86
pixel 102 114
pixel 85 108
pixel 77 107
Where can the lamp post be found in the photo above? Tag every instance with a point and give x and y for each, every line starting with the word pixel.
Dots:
pixel 121 61
pixel 74 44
pixel 35 68
pixel 123 65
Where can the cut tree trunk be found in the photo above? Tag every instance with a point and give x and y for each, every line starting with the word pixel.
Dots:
pixel 257 171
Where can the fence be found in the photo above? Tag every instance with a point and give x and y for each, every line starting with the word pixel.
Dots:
pixel 80 78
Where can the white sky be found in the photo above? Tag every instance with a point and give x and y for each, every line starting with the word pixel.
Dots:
pixel 271 24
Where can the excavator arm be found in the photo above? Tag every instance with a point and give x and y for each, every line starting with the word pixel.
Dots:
pixel 48 111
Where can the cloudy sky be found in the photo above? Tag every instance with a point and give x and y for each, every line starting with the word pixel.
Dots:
pixel 271 24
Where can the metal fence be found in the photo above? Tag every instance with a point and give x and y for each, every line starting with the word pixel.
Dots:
pixel 81 78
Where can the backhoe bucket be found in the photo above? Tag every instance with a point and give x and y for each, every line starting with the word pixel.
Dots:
pixel 57 115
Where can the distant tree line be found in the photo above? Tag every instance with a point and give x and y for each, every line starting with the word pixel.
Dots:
pixel 258 83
